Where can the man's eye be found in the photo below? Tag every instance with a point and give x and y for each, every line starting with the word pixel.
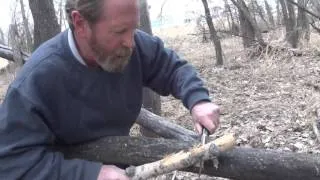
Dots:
pixel 120 31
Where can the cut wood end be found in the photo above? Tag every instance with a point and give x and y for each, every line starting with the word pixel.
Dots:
pixel 225 142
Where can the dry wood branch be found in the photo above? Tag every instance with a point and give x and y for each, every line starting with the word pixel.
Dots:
pixel 239 163
pixel 6 53
pixel 181 159
pixel 164 128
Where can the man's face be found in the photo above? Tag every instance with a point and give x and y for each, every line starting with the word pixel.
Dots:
pixel 112 38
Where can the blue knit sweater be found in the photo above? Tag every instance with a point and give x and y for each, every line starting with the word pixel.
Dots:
pixel 57 100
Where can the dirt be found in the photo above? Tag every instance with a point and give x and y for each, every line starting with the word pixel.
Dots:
pixel 268 102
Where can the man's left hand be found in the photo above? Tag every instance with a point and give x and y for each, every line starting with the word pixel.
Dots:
pixel 206 114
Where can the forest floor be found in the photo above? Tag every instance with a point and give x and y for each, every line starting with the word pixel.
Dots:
pixel 268 101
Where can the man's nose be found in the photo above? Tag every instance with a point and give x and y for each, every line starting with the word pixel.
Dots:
pixel 128 40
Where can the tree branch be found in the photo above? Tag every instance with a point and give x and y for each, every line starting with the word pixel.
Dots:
pixel 304 9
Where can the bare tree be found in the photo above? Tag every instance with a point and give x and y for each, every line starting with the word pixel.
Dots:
pixel 257 8
pixel 316 5
pixel 292 23
pixel 302 21
pixel 213 34
pixel 45 21
pixel 61 14
pixel 15 42
pixel 232 25
pixel 279 14
pixel 249 28
pixel 289 19
pixel 2 41
pixel 151 100
pixel 269 12
pixel 26 27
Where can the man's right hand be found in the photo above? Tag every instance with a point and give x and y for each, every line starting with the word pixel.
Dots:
pixel 110 172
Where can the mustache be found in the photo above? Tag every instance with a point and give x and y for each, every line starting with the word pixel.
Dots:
pixel 124 51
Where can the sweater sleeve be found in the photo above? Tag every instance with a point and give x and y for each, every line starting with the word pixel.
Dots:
pixel 24 145
pixel 166 73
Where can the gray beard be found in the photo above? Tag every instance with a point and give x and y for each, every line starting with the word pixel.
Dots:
pixel 113 64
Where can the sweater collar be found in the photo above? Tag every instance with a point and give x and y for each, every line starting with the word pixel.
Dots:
pixel 73 48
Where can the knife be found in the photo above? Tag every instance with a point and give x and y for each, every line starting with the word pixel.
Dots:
pixel 204 137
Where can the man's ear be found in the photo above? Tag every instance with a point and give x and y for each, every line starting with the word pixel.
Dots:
pixel 80 24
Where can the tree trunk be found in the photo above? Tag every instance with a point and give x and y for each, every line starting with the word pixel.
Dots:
pixel 269 12
pixel 151 100
pixel 289 19
pixel 233 27
pixel 45 21
pixel 16 46
pixel 213 34
pixel 303 21
pixel 279 14
pixel 26 28
pixel 249 26
pixel 285 16
pixel 239 163
pixel 61 15
pixel 247 31
pixel 292 23
pixel 316 5
pixel 2 41
pixel 261 12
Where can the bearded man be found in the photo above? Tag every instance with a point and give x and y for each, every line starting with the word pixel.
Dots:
pixel 86 83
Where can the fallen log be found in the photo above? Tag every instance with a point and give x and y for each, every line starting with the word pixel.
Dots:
pixel 164 127
pixel 240 163
pixel 7 53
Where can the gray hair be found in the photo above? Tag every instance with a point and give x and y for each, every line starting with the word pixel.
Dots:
pixel 91 10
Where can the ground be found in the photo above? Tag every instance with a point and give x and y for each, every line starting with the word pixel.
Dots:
pixel 268 101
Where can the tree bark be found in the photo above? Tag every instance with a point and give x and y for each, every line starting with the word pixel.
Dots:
pixel 16 46
pixel 292 34
pixel 289 19
pixel 45 21
pixel 26 27
pixel 2 41
pixel 303 21
pixel 233 27
pixel 261 12
pixel 164 127
pixel 151 100
pixel 213 34
pixel 239 163
pixel 279 14
pixel 249 25
pixel 7 53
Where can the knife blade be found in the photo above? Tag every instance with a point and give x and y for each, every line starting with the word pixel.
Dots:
pixel 204 137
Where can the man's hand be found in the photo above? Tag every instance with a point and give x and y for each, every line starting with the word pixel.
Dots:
pixel 206 114
pixel 110 172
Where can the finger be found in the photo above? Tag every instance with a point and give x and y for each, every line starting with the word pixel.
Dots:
pixel 208 123
pixel 198 127
pixel 216 121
